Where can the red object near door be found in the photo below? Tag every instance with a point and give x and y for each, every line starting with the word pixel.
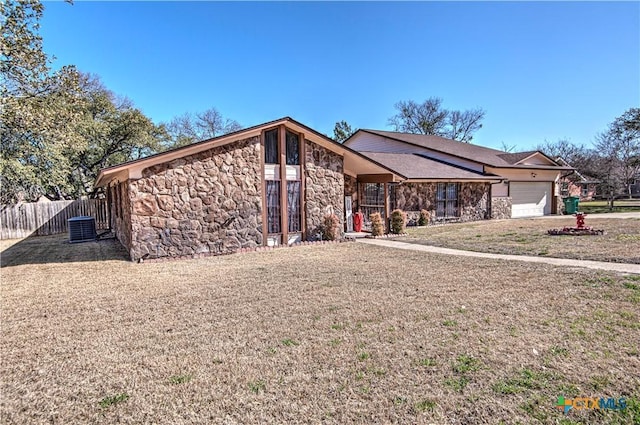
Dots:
pixel 357 221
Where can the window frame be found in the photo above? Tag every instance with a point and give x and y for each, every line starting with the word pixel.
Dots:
pixel 273 209
pixel 267 150
pixel 291 216
pixel 447 200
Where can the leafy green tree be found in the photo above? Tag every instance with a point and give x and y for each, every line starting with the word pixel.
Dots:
pixel 342 131
pixel 112 131
pixel 23 63
pixel 190 128
pixel 431 118
pixel 38 109
pixel 57 128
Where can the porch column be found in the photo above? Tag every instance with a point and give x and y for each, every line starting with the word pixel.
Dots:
pixel 386 207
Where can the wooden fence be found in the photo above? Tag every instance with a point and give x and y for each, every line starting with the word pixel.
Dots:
pixel 49 218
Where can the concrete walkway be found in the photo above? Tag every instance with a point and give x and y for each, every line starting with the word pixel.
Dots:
pixel 599 265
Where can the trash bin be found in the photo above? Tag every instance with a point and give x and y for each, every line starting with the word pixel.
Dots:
pixel 571 204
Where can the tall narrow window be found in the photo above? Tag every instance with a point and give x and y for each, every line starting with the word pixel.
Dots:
pixel 293 206
pixel 293 149
pixel 447 200
pixel 372 200
pixel 283 185
pixel 374 194
pixel 271 155
pixel 273 206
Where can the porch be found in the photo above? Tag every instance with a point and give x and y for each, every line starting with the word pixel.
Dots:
pixel 446 201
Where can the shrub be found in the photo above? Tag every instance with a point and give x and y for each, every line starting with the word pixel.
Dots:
pixel 398 221
pixel 377 227
pixel 425 218
pixel 330 227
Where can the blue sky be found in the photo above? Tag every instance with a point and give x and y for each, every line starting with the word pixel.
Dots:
pixel 540 70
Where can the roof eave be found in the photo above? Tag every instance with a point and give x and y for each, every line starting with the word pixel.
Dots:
pixel 533 167
pixel 456 180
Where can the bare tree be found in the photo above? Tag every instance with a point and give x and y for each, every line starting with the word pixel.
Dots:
pixel 572 153
pixel 431 118
pixel 507 148
pixel 189 128
pixel 462 125
pixel 619 151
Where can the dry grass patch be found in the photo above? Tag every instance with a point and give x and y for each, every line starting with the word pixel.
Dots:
pixel 309 335
pixel 529 237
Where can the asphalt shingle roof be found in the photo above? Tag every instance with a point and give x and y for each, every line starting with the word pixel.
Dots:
pixel 416 166
pixel 481 154
pixel 515 157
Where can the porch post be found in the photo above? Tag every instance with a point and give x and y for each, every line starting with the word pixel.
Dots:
pixel 386 207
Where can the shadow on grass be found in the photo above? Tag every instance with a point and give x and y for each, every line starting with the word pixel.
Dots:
pixel 57 249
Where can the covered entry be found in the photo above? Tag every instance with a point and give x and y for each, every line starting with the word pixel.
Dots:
pixel 530 199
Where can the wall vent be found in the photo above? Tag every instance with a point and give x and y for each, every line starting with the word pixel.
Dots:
pixel 82 229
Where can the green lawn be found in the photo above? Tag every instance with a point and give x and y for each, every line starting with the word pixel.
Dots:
pixel 598 207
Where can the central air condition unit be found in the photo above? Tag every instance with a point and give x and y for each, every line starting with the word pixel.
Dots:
pixel 82 229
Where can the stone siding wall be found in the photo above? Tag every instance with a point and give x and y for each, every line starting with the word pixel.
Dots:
pixel 474 201
pixel 324 187
pixel 120 213
pixel 351 189
pixel 414 197
pixel 501 207
pixel 209 202
pixel 559 206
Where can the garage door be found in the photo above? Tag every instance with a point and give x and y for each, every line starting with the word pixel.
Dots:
pixel 530 199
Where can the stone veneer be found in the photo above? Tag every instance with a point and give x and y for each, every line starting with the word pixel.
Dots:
pixel 501 207
pixel 351 189
pixel 473 199
pixel 560 205
pixel 416 196
pixel 324 187
pixel 206 203
pixel 120 213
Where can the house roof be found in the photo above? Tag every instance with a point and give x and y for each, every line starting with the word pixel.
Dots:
pixel 468 151
pixel 515 157
pixel 133 169
pixel 418 167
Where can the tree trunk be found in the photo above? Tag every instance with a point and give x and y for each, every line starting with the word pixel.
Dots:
pixel 612 198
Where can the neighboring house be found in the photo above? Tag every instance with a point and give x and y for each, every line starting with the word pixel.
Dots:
pixel 634 187
pixel 274 183
pixel 517 184
pixel 576 184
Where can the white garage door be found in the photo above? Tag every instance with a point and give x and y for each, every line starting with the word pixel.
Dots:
pixel 530 199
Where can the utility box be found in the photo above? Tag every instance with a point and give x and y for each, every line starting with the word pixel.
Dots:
pixel 82 229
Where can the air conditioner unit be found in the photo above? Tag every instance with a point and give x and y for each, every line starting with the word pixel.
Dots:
pixel 82 229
